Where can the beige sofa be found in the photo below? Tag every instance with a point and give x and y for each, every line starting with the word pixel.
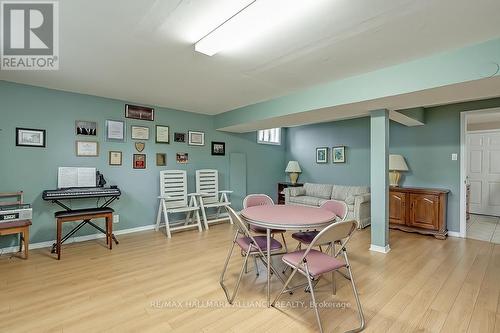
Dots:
pixel 357 198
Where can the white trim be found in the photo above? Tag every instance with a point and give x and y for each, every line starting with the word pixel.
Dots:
pixel 463 167
pixel 77 239
pixel 455 234
pixel 381 249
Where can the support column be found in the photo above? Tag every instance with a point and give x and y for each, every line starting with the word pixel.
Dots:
pixel 379 178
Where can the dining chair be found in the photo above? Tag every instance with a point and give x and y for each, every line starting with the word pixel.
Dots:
pixel 249 246
pixel 263 200
pixel 339 208
pixel 313 264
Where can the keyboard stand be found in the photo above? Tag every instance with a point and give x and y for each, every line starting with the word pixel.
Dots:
pixel 84 222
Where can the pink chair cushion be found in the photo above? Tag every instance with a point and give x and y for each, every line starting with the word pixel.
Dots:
pixel 258 200
pixel 337 207
pixel 259 230
pixel 305 237
pixel 317 262
pixel 244 243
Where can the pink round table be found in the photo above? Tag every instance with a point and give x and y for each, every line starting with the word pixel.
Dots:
pixel 285 217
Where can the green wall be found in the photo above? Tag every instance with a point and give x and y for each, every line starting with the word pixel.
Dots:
pixel 35 169
pixel 427 150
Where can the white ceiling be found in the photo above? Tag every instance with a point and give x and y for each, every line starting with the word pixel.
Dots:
pixel 142 51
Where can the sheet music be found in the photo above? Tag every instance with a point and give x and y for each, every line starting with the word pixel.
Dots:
pixel 76 177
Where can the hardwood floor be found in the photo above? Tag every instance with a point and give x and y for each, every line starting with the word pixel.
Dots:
pixel 423 284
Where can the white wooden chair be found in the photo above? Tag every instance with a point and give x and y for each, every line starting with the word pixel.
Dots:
pixel 174 199
pixel 207 189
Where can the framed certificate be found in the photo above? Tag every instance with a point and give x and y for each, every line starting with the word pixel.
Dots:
pixel 140 133
pixel 115 158
pixel 87 148
pixel 196 138
pixel 162 134
pixel 115 130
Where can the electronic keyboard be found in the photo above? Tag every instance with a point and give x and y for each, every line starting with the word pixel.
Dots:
pixel 81 193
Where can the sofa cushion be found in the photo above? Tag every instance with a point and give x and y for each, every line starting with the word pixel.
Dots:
pixel 305 200
pixel 296 191
pixel 323 191
pixel 347 193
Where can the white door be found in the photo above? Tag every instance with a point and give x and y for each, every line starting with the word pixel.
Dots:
pixel 483 170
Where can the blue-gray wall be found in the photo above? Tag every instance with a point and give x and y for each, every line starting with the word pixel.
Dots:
pixel 35 169
pixel 427 150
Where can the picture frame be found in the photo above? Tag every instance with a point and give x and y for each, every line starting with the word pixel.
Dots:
pixel 182 158
pixel 86 128
pixel 218 148
pixel 139 161
pixel 322 155
pixel 115 158
pixel 179 137
pixel 30 137
pixel 338 154
pixel 87 148
pixel 139 132
pixel 115 130
pixel 196 138
pixel 139 112
pixel 162 134
pixel 161 159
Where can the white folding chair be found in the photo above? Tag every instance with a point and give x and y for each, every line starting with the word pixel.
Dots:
pixel 207 189
pixel 174 199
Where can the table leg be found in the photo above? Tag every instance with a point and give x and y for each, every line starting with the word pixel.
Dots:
pixel 268 233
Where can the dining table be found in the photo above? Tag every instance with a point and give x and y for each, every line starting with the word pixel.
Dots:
pixel 285 217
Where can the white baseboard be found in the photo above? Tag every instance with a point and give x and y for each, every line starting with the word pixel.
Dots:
pixel 381 249
pixel 455 234
pixel 77 239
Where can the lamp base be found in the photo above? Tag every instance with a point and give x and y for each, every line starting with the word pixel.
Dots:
pixel 394 177
pixel 293 177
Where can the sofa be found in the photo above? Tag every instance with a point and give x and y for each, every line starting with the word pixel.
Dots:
pixel 357 198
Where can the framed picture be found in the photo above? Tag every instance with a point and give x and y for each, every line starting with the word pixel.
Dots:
pixel 29 137
pixel 182 158
pixel 162 134
pixel 161 159
pixel 83 127
pixel 139 112
pixel 115 158
pixel 139 161
pixel 322 155
pixel 115 130
pixel 218 148
pixel 179 137
pixel 196 138
pixel 87 148
pixel 140 132
pixel 338 154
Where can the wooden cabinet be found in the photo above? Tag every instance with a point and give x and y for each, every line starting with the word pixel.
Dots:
pixel 281 187
pixel 418 210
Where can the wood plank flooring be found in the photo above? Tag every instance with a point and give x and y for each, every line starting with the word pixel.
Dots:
pixel 150 283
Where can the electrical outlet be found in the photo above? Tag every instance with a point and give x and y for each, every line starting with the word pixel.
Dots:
pixel 116 218
pixel 454 157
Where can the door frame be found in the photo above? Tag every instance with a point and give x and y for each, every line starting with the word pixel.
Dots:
pixel 464 116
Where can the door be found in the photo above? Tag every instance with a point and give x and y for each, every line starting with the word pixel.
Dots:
pixel 424 211
pixel 483 171
pixel 397 208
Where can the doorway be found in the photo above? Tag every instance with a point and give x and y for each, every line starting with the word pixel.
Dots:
pixel 480 175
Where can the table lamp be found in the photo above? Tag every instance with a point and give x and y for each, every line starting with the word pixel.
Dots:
pixel 293 169
pixel 396 163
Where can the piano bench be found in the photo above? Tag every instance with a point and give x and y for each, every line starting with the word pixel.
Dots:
pixel 84 215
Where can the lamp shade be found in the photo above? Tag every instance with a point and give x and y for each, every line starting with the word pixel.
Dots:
pixel 397 163
pixel 293 166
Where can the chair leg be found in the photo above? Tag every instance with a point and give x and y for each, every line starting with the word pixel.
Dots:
pixel 203 213
pixel 256 266
pixel 311 288
pixel 356 296
pixel 198 221
pixel 21 241
pixel 26 240
pixel 284 242
pixel 158 216
pixel 165 217
pixel 285 285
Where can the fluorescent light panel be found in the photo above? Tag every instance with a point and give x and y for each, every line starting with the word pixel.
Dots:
pixel 252 22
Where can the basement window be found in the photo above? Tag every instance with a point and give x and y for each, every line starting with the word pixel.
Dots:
pixel 270 136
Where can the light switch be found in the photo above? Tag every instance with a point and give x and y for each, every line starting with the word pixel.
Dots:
pixel 454 157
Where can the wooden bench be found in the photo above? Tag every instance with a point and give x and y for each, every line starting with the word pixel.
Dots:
pixel 85 215
pixel 22 228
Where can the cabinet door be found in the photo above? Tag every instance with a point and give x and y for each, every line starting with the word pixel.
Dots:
pixel 424 211
pixel 397 208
